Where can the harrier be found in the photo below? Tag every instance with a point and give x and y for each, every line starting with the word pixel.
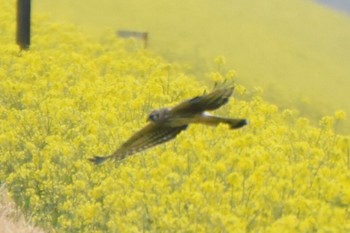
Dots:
pixel 166 123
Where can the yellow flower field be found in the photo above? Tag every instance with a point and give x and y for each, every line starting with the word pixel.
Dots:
pixel 72 97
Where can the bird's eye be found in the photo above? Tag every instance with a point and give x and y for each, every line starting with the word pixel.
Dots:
pixel 152 117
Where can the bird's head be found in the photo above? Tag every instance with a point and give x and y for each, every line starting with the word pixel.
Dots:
pixel 158 115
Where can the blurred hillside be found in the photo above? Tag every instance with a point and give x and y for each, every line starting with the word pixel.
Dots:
pixel 297 50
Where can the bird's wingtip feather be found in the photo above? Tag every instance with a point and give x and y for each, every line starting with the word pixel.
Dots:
pixel 97 159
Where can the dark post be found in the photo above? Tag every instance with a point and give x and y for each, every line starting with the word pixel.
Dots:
pixel 23 23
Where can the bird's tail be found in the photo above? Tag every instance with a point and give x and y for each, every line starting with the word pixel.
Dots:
pixel 234 123
pixel 99 159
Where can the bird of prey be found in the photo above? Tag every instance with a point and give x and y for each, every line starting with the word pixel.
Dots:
pixel 166 123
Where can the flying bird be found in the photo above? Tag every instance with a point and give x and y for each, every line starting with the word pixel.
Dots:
pixel 166 123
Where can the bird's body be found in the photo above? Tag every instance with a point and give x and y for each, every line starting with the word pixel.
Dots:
pixel 166 123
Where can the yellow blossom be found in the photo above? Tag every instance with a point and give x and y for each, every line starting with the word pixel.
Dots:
pixel 340 115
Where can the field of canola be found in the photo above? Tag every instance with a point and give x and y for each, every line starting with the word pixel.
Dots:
pixel 70 98
pixel 298 51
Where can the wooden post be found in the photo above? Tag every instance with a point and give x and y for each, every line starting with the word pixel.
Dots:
pixel 23 23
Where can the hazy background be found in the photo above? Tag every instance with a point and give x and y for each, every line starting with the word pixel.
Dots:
pixel 297 50
pixel 342 5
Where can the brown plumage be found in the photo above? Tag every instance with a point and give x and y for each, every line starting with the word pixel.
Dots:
pixel 166 123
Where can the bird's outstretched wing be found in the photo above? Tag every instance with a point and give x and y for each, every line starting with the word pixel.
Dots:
pixel 149 136
pixel 207 102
